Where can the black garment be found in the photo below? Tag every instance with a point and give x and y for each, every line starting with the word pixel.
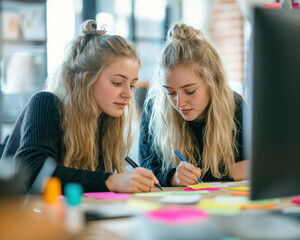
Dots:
pixel 149 159
pixel 37 135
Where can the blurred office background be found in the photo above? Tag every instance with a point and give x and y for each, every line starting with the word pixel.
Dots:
pixel 34 33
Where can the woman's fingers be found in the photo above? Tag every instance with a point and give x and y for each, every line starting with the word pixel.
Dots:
pixel 145 180
pixel 137 180
pixel 185 180
pixel 187 173
pixel 192 169
pixel 148 174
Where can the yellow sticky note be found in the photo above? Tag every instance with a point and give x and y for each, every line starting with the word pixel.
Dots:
pixel 242 188
pixel 199 186
pixel 143 205
pixel 211 207
pixel 209 203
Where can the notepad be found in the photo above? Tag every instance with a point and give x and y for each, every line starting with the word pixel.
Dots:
pixel 180 199
pixel 165 193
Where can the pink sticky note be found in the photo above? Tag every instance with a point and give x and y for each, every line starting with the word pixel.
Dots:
pixel 106 195
pixel 177 215
pixel 273 5
pixel 207 189
pixel 296 200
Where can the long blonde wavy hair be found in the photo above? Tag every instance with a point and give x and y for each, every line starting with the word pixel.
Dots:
pixel 72 83
pixel 188 47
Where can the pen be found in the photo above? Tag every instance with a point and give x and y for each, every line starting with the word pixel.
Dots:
pixel 183 159
pixel 135 165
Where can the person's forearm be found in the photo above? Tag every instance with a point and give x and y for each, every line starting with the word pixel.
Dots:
pixel 240 170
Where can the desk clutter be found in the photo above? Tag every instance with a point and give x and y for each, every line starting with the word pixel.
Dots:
pixel 194 214
pixel 217 210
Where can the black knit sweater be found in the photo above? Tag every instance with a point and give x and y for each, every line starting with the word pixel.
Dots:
pixel 37 135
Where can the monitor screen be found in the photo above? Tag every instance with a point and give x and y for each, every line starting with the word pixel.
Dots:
pixel 273 94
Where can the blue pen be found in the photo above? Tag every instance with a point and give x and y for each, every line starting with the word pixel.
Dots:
pixel 183 159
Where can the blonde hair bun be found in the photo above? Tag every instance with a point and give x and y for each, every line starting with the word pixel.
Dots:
pixel 90 27
pixel 184 32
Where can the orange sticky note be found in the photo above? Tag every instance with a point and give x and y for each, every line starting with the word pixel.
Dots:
pixel 258 206
pixel 240 193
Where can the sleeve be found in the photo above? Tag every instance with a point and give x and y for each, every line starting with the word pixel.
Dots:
pixel 41 137
pixel 148 158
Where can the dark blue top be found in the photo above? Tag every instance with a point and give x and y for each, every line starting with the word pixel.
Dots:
pixel 38 134
pixel 149 158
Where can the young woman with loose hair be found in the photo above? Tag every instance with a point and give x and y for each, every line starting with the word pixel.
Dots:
pixel 83 119
pixel 189 107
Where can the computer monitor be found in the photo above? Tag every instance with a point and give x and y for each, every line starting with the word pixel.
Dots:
pixel 273 94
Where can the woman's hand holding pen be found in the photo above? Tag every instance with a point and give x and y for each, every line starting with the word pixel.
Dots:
pixel 134 181
pixel 186 174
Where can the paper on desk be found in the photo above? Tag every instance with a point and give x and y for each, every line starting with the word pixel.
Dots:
pixel 241 188
pixel 110 210
pixel 218 185
pixel 143 205
pixel 231 200
pixel 243 181
pixel 165 193
pixel 106 195
pixel 199 186
pixel 183 199
pixel 221 184
pixel 190 192
pixel 231 183
pixel 152 194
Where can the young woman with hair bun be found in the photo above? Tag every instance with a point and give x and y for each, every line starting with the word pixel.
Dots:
pixel 83 118
pixel 191 108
